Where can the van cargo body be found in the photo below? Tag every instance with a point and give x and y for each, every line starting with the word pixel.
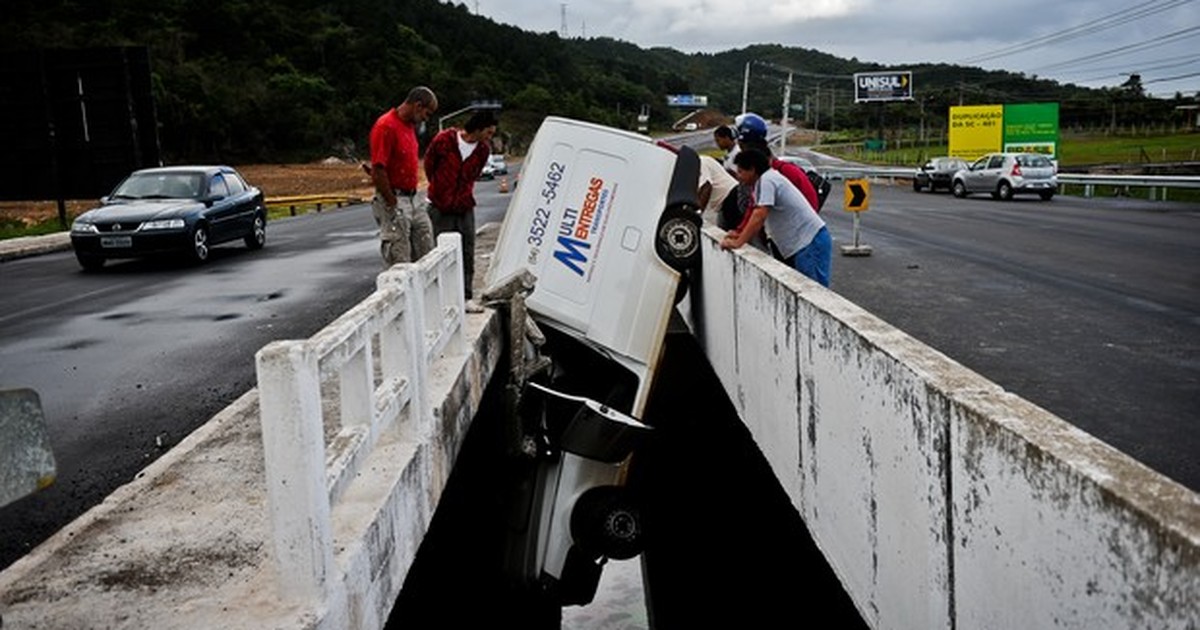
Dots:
pixel 604 221
pixel 583 222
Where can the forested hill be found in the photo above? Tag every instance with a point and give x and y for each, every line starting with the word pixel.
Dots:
pixel 274 80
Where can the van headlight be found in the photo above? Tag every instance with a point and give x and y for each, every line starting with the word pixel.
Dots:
pixel 163 224
pixel 83 227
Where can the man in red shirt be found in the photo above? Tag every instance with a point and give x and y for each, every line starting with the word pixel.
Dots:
pixel 405 232
pixel 453 162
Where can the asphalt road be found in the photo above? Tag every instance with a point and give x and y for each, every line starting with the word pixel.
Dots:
pixel 1087 308
pixel 128 361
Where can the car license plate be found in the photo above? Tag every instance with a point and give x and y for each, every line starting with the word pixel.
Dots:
pixel 116 241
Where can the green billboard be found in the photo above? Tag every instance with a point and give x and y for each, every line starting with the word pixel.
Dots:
pixel 1024 127
pixel 1031 128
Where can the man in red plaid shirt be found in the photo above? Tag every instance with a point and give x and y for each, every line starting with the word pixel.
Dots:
pixel 453 161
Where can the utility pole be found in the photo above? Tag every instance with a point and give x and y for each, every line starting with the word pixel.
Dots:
pixel 745 86
pixel 563 27
pixel 832 108
pixel 787 97
pixel 817 114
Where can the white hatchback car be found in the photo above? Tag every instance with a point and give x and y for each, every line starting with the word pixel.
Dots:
pixel 1003 175
pixel 499 166
pixel 606 221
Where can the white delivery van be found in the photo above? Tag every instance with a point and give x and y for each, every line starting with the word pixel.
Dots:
pixel 606 221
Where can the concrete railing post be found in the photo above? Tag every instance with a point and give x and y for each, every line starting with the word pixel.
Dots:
pixel 453 294
pixel 402 340
pixel 294 452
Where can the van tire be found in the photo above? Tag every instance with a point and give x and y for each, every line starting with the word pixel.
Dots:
pixel 606 522
pixel 677 241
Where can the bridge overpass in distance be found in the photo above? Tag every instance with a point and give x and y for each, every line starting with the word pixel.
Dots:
pixel 939 499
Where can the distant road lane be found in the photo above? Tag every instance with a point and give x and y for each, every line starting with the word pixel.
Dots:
pixel 130 360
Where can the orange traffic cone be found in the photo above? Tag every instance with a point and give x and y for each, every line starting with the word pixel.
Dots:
pixel 504 184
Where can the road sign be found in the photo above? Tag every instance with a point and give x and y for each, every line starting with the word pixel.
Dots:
pixel 858 195
pixel 857 199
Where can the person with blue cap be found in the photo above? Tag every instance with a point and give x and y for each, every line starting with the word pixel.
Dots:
pixel 752 133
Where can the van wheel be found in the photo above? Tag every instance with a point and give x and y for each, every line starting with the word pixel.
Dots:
pixel 678 238
pixel 605 521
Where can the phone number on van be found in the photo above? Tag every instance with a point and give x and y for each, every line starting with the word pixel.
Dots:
pixel 541 218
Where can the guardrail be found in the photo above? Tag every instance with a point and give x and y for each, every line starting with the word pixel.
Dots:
pixel 295 201
pixel 328 401
pixel 1155 183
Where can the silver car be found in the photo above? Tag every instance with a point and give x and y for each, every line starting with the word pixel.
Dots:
pixel 1006 174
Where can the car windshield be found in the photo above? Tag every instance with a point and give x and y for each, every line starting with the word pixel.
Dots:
pixel 159 186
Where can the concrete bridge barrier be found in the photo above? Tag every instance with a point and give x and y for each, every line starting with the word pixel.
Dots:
pixel 940 500
pixel 301 505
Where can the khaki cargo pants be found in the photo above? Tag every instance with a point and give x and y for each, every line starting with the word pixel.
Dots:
pixel 405 233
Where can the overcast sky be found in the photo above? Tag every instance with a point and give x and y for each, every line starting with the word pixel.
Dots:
pixel 1093 43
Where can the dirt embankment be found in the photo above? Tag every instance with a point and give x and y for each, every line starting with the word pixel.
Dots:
pixel 275 180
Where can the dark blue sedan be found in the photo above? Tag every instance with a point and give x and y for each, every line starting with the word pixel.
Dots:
pixel 176 209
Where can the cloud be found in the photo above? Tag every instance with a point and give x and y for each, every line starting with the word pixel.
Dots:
pixel 889 32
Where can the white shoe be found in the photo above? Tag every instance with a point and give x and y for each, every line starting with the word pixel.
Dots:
pixel 473 306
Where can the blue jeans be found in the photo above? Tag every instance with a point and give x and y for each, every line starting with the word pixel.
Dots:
pixel 815 260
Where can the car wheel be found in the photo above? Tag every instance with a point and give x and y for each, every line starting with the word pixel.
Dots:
pixel 1046 196
pixel 960 189
pixel 89 262
pixel 258 235
pixel 1004 191
pixel 605 521
pixel 200 248
pixel 678 238
pixel 916 186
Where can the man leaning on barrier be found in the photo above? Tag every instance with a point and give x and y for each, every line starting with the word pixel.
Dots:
pixel 405 232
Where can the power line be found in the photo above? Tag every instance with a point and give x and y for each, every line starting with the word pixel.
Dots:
pixel 1151 43
pixel 1106 22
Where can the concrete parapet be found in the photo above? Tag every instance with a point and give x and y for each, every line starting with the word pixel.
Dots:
pixel 189 544
pixel 941 500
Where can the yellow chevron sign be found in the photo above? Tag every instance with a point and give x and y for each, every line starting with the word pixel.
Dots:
pixel 857 196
